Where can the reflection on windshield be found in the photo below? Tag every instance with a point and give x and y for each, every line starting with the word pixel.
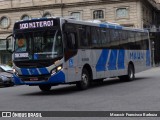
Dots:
pixel 38 45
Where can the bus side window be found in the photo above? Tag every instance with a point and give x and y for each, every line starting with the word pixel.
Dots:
pixel 71 41
pixel 94 36
pixel 84 32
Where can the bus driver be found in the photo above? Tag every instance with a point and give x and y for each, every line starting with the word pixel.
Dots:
pixel 21 45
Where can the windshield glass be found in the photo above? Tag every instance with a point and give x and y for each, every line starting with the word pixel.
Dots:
pixel 46 44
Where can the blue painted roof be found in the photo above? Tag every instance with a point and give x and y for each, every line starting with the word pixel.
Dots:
pixel 109 25
pixel 119 27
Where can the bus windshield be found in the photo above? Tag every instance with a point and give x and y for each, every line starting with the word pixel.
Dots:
pixel 37 45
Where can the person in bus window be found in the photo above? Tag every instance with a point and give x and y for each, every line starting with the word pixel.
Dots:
pixel 21 45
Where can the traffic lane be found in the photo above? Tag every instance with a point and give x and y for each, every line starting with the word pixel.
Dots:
pixel 113 95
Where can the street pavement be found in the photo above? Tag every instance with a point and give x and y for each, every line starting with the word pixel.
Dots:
pixel 142 94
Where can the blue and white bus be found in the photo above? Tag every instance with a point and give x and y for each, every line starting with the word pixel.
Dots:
pixel 66 51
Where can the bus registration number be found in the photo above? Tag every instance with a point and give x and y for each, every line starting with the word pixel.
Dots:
pixel 34 79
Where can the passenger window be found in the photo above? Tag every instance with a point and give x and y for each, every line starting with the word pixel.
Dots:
pixel 84 36
pixel 94 36
pixel 71 40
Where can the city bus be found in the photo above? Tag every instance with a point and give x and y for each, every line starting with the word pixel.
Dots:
pixel 60 50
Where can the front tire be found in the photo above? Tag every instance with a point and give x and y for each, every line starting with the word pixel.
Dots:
pixel 45 88
pixel 85 80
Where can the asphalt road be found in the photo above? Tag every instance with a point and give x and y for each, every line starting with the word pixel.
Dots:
pixel 141 94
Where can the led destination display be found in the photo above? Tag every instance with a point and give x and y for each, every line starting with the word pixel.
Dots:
pixel 33 24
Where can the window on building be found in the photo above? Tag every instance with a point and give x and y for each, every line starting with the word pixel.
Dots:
pixel 4 22
pixel 5 58
pixel 76 15
pixel 122 13
pixel 47 14
pixel 25 17
pixel 98 14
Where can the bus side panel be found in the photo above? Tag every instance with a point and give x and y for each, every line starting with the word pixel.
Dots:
pixel 102 59
pixel 73 72
pixel 140 59
pixel 87 57
pixel 100 62
pixel 116 63
pixel 111 62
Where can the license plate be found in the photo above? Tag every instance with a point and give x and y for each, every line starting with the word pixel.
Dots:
pixel 34 79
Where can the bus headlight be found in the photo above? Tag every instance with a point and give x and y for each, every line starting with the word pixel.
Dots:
pixel 15 72
pixel 57 69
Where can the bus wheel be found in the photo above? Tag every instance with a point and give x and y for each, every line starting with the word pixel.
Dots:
pixel 45 87
pixel 131 74
pixel 85 80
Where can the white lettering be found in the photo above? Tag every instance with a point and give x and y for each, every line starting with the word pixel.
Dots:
pixel 34 115
pixel 30 25
pixel 133 115
pixel 52 22
pixel 21 55
pixel 24 26
pixel 49 23
pixel 44 23
pixel 38 24
pixel 116 115
pixel 41 24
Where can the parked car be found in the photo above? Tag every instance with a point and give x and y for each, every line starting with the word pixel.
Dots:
pixel 6 75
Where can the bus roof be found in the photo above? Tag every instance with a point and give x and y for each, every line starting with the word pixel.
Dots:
pixel 106 25
pixel 90 22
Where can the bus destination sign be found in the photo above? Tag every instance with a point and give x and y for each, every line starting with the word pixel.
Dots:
pixel 37 24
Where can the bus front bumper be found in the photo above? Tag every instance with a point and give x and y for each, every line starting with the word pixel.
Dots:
pixel 57 78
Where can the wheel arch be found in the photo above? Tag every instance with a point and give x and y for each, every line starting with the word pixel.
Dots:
pixel 89 69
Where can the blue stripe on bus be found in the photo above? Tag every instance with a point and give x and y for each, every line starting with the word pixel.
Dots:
pixel 119 27
pixel 55 79
pixel 148 62
pixel 121 57
pixel 101 64
pixel 24 71
pixel 112 60
pixel 103 25
pixel 43 71
pixel 17 80
pixel 33 71
pixel 111 26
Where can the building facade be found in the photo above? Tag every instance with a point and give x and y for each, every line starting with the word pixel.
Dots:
pixel 130 13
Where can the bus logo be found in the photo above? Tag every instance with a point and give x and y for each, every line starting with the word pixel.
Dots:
pixel 70 62
pixel 137 56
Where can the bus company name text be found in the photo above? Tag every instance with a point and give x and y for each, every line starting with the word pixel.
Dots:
pixel 38 24
pixel 136 55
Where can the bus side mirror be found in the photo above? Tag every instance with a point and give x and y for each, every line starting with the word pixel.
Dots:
pixel 7 43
